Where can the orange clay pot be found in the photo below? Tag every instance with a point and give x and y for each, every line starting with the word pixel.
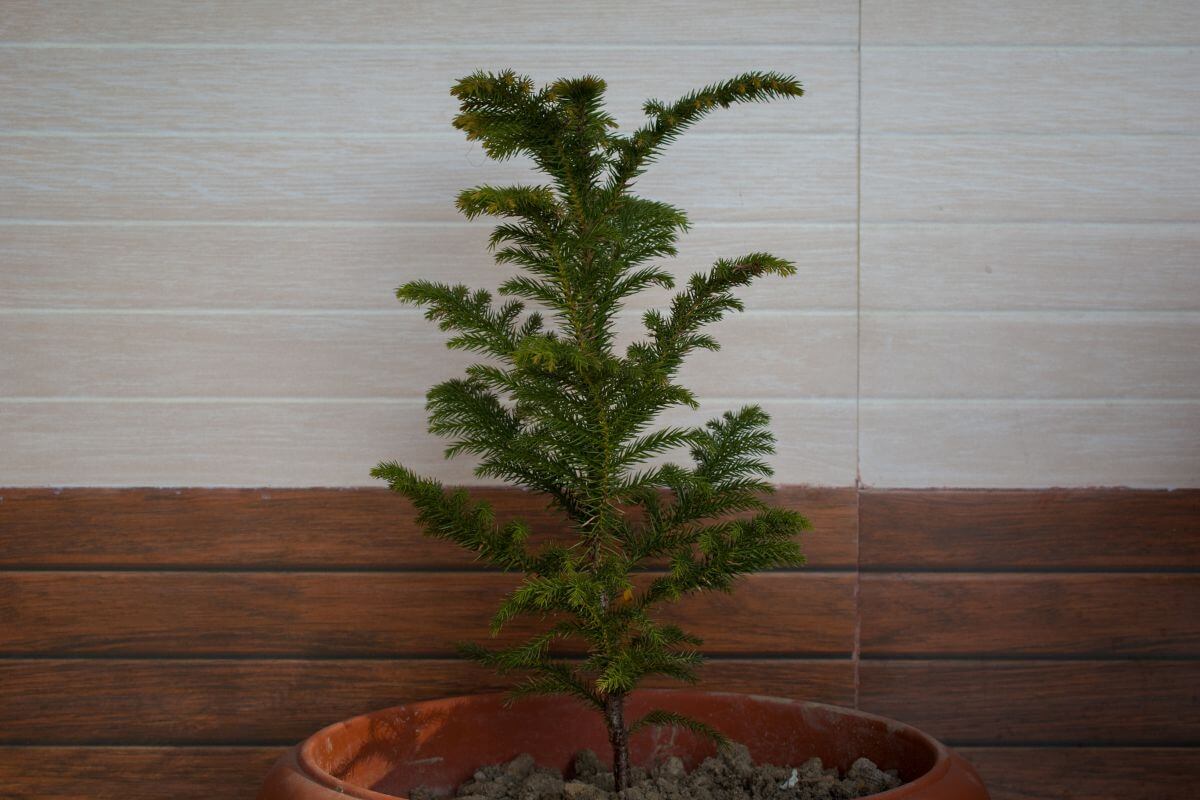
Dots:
pixel 440 743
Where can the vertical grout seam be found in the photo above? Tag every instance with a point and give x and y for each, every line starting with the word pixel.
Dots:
pixel 857 650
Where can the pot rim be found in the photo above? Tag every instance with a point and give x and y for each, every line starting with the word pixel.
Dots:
pixel 306 757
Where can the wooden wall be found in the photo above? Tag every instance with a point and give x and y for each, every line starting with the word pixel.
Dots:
pixel 190 635
pixel 204 208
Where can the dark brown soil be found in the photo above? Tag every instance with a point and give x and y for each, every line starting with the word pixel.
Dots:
pixel 731 775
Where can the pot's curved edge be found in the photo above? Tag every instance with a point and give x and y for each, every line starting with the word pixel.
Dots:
pixel 287 780
pixel 950 769
pixel 291 778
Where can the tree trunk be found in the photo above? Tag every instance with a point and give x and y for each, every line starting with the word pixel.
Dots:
pixel 618 737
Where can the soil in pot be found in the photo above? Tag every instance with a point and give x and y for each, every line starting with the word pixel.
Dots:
pixel 730 775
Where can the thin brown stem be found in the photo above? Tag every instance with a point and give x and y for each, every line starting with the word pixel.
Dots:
pixel 618 737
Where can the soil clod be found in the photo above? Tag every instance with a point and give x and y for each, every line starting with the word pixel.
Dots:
pixel 730 775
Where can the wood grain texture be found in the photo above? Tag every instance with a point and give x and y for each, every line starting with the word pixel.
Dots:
pixel 130 773
pixel 1035 90
pixel 373 178
pixel 1074 706
pixel 1088 773
pixel 383 90
pixel 1013 444
pixel 1038 702
pixel 1038 530
pixel 362 614
pixel 1016 266
pixel 134 773
pixel 379 21
pixel 302 528
pixel 355 266
pixel 281 443
pixel 1029 354
pixel 1014 178
pixel 1172 22
pixel 360 355
pixel 203 702
pixel 921 614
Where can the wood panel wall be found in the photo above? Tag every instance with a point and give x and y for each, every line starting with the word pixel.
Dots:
pixel 192 634
pixel 204 209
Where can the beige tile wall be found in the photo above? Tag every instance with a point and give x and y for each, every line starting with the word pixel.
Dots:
pixel 1029 271
pixel 204 209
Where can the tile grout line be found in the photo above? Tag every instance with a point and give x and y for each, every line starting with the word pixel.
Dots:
pixel 856 654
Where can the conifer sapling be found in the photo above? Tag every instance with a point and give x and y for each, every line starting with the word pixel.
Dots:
pixel 557 408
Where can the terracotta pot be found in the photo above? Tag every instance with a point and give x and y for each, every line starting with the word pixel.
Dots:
pixel 440 743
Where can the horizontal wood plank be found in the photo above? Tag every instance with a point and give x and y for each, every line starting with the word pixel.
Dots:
pixel 1029 354
pixel 199 773
pixel 1019 266
pixel 1087 773
pixel 134 773
pixel 234 772
pixel 279 443
pixel 1015 444
pixel 670 22
pixel 358 614
pixel 321 90
pixel 1030 178
pixel 302 528
pixel 952 22
pixel 1030 614
pixel 1031 90
pixel 229 266
pixel 1038 702
pixel 359 355
pixel 388 179
pixel 1038 530
pixel 197 702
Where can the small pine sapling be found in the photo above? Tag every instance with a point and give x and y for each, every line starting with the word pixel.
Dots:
pixel 555 407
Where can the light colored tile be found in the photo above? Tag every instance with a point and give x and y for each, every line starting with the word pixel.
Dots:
pixel 1030 22
pixel 1030 355
pixel 309 444
pixel 1010 444
pixel 214 444
pixel 774 355
pixel 1030 266
pixel 999 178
pixel 350 355
pixel 316 90
pixel 228 266
pixel 1030 90
pixel 1016 157
pixel 447 22
pixel 189 355
pixel 152 266
pixel 340 178
pixel 824 255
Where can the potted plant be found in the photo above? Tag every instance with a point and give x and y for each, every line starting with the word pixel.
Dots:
pixel 556 407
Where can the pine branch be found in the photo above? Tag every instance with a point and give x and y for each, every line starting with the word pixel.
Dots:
pixel 558 678
pixel 530 655
pixel 670 719
pixel 729 550
pixel 707 299
pixel 535 204
pixel 481 328
pixel 451 515
pixel 636 152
